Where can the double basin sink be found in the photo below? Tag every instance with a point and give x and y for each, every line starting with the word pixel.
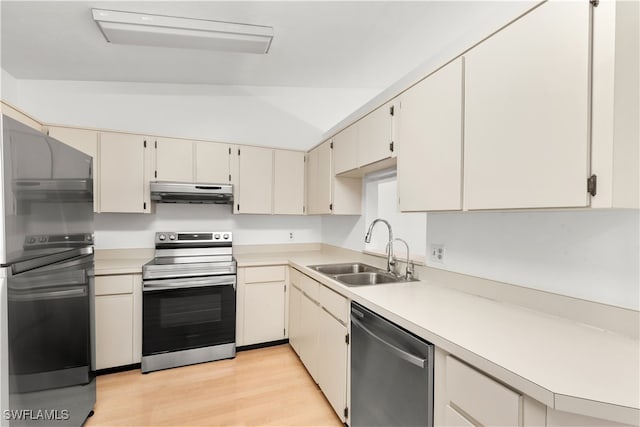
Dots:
pixel 358 274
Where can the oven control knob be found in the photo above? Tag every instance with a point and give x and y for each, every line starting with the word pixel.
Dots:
pixel 172 237
pixel 216 236
pixel 43 239
pixel 225 237
pixel 162 237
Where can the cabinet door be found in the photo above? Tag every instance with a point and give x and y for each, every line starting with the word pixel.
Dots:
pixel 319 179
pixel 174 160
pixel 375 135
pixel 332 361
pixel 309 313
pixel 114 332
pixel 122 173
pixel 454 418
pixel 255 180
pixel 87 142
pixel 345 150
pixel 527 112
pixel 263 312
pixel 295 300
pixel 430 142
pixel 213 162
pixel 288 179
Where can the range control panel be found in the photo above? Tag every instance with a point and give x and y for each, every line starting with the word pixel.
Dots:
pixel 193 237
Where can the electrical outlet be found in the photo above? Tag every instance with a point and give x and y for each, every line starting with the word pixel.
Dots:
pixel 437 253
pixel 291 235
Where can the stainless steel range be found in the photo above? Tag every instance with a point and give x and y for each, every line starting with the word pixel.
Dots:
pixel 189 300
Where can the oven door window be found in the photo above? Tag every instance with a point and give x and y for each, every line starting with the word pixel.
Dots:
pixel 187 318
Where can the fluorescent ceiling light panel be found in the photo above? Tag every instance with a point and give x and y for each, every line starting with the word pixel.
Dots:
pixel 167 31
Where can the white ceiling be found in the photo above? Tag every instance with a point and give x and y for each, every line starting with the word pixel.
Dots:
pixel 339 44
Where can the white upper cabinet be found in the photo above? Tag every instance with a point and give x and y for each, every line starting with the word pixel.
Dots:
pixel 174 160
pixel 87 142
pixel 526 115
pixel 345 150
pixel 430 142
pixel 319 179
pixel 212 162
pixel 615 133
pixel 255 180
pixel 124 180
pixel 375 135
pixel 288 182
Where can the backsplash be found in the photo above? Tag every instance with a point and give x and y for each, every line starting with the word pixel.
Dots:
pixel 122 231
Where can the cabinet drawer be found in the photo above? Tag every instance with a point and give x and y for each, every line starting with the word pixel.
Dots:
pixel 113 285
pixel 334 303
pixel 309 286
pixel 484 399
pixel 264 274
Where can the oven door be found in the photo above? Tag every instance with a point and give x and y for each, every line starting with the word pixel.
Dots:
pixel 188 313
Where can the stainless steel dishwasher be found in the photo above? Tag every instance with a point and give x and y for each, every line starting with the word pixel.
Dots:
pixel 391 373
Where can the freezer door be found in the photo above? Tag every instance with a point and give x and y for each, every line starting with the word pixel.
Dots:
pixel 50 341
pixel 47 194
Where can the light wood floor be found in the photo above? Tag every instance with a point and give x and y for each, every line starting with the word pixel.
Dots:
pixel 262 387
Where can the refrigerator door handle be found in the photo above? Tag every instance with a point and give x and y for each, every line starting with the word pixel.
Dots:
pixel 39 296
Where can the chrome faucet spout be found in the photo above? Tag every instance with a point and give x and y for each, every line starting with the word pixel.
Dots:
pixel 409 268
pixel 367 239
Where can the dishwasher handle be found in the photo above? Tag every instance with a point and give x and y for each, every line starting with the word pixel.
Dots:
pixel 414 360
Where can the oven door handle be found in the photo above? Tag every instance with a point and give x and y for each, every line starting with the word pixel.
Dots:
pixel 167 284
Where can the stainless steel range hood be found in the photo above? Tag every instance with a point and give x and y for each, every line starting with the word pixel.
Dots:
pixel 180 192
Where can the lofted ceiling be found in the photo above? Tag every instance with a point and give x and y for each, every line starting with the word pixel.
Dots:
pixel 322 44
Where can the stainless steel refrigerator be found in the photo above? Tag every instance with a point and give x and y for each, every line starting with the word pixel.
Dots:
pixel 47 357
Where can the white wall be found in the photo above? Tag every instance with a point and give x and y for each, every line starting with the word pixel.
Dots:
pixel 592 255
pixel 9 87
pixel 119 231
pixel 283 117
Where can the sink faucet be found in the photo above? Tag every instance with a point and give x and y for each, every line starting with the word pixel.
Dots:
pixel 409 269
pixel 367 239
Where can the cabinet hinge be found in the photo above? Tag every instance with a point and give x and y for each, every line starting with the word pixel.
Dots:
pixel 595 3
pixel 144 206
pixel 592 185
pixel 331 207
pixel 391 146
pixel 346 339
pixel 346 412
pixel 331 145
pixel 144 143
pixel 392 110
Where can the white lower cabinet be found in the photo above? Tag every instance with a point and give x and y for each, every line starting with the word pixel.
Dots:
pixel 455 418
pixel 261 305
pixel 309 318
pixel 118 326
pixel 332 361
pixel 318 332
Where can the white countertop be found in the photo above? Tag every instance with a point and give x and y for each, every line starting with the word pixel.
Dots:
pixel 564 364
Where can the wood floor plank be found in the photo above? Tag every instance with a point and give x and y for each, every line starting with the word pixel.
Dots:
pixel 263 387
